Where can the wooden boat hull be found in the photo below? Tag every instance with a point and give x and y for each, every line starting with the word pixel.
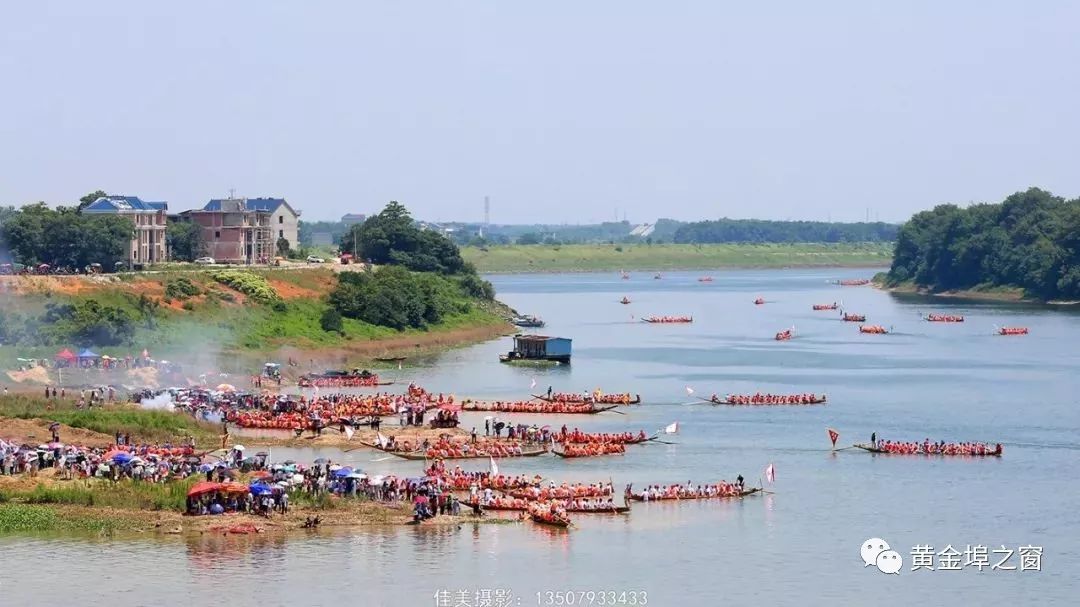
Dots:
pixel 635 401
pixel 820 401
pixel 561 454
pixel 872 449
pixel 540 362
pixel 496 508
pixel 592 411
pixel 549 523
pixel 637 497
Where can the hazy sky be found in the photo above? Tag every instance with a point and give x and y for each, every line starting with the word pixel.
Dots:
pixel 559 111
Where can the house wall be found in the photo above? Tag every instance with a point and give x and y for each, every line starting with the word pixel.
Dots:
pixel 285 224
pixel 235 237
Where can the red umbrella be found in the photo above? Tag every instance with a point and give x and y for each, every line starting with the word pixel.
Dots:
pixel 65 354
pixel 202 487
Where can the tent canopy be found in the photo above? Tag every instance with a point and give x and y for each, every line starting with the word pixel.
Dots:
pixel 65 354
pixel 87 353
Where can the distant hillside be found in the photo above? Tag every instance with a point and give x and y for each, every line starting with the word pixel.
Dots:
pixel 1031 241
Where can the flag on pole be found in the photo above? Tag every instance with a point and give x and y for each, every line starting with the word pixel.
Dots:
pixel 770 474
pixel 533 384
pixel 833 435
pixel 672 429
pixel 381 439
pixel 494 466
pixel 689 391
pixel 349 432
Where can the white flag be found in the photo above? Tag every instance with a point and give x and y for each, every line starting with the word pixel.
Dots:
pixel 770 473
pixel 689 391
pixel 399 365
pixel 533 384
pixel 380 439
pixel 349 432
pixel 494 466
pixel 672 429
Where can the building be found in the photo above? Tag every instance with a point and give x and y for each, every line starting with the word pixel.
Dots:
pixel 284 220
pixel 353 218
pixel 234 233
pixel 149 219
pixel 540 347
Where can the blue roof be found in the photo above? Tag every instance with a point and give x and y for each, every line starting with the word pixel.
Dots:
pixel 268 205
pixel 113 204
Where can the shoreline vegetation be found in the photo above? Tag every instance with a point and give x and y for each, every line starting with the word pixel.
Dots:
pixel 540 258
pixel 45 502
pixel 1025 248
pixel 981 293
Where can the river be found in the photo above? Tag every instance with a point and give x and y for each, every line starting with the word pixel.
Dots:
pixel 799 544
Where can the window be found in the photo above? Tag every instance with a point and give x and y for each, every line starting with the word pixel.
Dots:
pixel 281 219
pixel 281 233
pixel 217 234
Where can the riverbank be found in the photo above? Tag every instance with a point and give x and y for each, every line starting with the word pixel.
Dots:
pixel 206 322
pixel 986 293
pixel 656 257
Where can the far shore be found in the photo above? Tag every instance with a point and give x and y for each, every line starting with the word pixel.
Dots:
pixel 998 294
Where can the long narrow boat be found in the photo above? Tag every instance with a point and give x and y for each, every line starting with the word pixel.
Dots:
pixel 563 453
pixel 1012 331
pixel 571 408
pixel 422 455
pixel 943 318
pixel 854 282
pixel 668 320
pixel 873 449
pixel 639 497
pixel 606 399
pixel 508 508
pixel 831 306
pixel 816 400
pixel 562 523
pixel 853 317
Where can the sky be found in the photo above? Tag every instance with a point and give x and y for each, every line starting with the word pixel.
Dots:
pixel 559 111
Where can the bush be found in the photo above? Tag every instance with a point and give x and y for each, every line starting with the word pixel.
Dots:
pixel 187 305
pixel 477 287
pixel 394 297
pixel 254 286
pixel 181 288
pixel 332 321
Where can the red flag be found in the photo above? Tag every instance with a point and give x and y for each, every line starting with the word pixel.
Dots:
pixel 833 435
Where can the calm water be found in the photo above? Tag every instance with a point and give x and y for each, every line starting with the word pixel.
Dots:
pixel 797 546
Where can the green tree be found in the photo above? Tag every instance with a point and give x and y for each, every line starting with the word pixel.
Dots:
pixel 392 238
pixel 529 238
pixel 283 247
pixel 185 240
pixel 89 199
pixel 331 321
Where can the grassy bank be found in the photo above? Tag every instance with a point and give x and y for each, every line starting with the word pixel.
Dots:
pixel 212 319
pixel 143 425
pixel 589 258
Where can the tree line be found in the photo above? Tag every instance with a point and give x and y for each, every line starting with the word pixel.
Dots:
pixel 422 279
pixel 1031 240
pixel 763 231
pixel 66 237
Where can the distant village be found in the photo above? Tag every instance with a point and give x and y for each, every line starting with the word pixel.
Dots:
pixel 232 230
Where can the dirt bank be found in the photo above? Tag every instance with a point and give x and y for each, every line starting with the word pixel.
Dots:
pixel 36 432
